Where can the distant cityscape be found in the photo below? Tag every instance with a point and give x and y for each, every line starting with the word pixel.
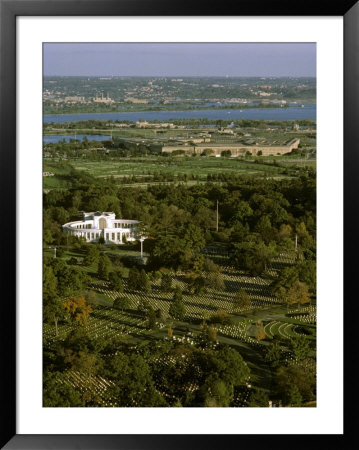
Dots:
pixel 176 92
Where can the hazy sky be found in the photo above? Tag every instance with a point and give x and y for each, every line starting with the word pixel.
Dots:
pixel 207 59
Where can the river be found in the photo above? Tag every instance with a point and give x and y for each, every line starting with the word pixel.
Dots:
pixel 309 111
pixel 80 137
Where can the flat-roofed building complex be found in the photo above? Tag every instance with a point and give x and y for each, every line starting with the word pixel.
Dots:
pixel 235 149
pixel 96 225
pixel 214 144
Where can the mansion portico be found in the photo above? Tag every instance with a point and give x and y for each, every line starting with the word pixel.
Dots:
pixel 95 225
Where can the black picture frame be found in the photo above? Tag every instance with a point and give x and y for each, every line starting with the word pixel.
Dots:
pixel 9 10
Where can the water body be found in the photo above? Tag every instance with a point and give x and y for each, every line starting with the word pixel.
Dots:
pixel 80 137
pixel 309 111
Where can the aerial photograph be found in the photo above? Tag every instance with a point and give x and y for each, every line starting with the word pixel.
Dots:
pixel 179 225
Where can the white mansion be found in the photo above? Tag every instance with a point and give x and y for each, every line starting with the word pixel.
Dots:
pixel 95 225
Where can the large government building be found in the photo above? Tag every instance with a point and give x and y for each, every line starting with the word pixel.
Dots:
pixel 95 225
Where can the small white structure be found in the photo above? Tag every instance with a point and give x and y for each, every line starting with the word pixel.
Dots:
pixel 95 225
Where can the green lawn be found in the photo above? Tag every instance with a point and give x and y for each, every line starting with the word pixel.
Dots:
pixel 180 169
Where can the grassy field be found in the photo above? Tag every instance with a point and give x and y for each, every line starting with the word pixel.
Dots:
pixel 194 169
pixel 185 166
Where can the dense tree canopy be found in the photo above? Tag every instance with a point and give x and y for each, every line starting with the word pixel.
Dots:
pixel 258 219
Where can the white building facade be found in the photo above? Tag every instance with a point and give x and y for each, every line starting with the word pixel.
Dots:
pixel 95 225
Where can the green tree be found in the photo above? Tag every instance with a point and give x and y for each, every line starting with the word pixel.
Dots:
pixel 167 252
pixel 215 281
pixel 217 394
pixel 273 354
pixel 144 306
pixel 53 310
pixel 159 315
pixel 241 300
pixel 145 282
pixel 293 396
pixel 229 366
pixel 242 213
pixel 253 256
pixel 72 261
pixel 257 398
pixel 91 298
pixel 307 270
pixel 47 237
pixel 264 228
pixel 299 346
pixel 221 317
pixel 122 303
pixel 152 318
pixel 116 282
pixel 134 385
pixel 298 293
pixel 70 280
pixel 49 284
pixel 284 237
pixel 134 282
pixel 177 294
pixel 166 283
pixel 196 284
pixel 197 262
pixel 285 280
pixel 305 240
pixel 78 340
pixel 82 361
pixel 177 310
pixel 288 377
pixel 58 392
pixel 104 267
pixel 92 255
pixel 194 238
pixel 210 267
